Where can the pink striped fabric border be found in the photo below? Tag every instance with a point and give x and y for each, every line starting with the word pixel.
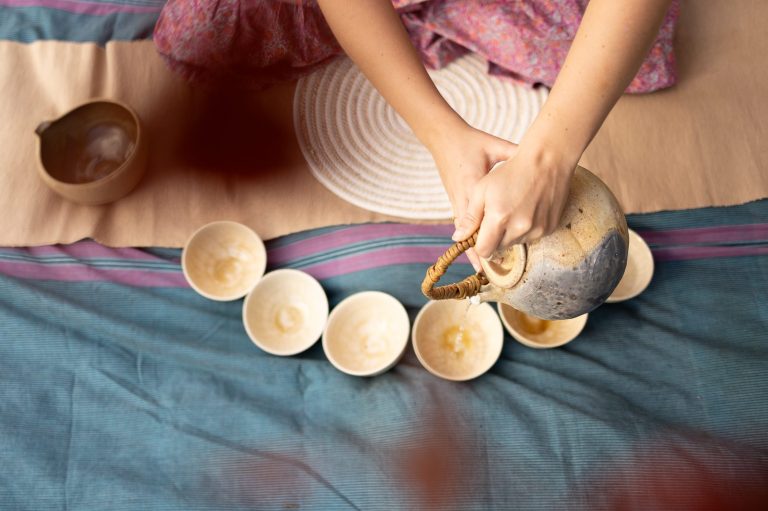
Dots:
pixel 355 234
pixel 718 234
pixel 114 264
pixel 90 250
pixel 688 253
pixel 84 273
pixel 377 259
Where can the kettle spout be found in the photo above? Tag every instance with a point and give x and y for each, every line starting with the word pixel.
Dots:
pixel 488 293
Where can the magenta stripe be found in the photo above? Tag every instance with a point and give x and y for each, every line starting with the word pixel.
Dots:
pixel 370 232
pixel 688 253
pixel 80 7
pixel 353 234
pixel 378 259
pixel 82 273
pixel 718 234
pixel 87 250
pixel 359 262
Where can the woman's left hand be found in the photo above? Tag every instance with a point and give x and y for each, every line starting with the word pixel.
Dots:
pixel 519 201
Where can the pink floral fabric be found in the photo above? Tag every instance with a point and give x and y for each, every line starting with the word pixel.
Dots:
pixel 255 43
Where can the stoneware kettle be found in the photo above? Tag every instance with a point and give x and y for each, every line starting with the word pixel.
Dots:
pixel 560 276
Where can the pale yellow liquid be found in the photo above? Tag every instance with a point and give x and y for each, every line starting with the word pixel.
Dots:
pixel 289 319
pixel 532 325
pixel 227 271
pixel 457 340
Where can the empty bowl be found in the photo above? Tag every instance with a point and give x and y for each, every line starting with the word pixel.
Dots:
pixel 638 273
pixel 540 333
pixel 455 342
pixel 286 312
pixel 366 334
pixel 223 260
pixel 94 154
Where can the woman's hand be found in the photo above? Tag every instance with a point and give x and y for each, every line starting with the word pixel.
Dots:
pixel 464 155
pixel 524 198
pixel 521 200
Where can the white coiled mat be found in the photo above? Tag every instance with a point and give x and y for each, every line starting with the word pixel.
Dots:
pixel 362 150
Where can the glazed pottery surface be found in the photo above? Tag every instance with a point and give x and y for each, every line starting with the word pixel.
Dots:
pixel 94 154
pixel 366 333
pixel 285 313
pixel 639 270
pixel 456 341
pixel 571 271
pixel 540 333
pixel 223 260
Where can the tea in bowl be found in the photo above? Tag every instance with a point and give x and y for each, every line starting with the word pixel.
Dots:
pixel 285 313
pixel 366 334
pixel 455 341
pixel 638 273
pixel 223 260
pixel 540 333
pixel 94 154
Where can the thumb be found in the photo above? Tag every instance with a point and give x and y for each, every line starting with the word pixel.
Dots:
pixel 502 150
pixel 473 215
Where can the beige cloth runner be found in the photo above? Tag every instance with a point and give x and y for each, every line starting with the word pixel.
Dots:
pixel 705 141
pixel 702 143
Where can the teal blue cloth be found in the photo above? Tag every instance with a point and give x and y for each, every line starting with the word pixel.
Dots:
pixel 98 21
pixel 124 397
pixel 138 397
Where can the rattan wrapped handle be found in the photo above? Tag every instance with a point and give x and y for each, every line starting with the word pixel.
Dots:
pixel 458 290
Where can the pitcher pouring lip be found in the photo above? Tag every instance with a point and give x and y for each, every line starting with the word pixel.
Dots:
pixel 42 127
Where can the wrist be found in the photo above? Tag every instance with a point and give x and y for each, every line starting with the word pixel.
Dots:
pixel 553 146
pixel 437 130
pixel 562 130
pixel 550 154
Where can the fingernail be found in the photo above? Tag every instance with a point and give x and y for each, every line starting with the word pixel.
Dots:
pixel 459 235
pixel 476 267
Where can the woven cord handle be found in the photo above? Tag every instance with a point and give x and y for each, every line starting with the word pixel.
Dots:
pixel 458 290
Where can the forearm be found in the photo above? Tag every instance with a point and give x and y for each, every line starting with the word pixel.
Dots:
pixel 372 35
pixel 609 47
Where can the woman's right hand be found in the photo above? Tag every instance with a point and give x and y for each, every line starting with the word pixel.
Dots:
pixel 464 155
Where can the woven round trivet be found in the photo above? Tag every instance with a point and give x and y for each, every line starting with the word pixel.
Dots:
pixel 360 148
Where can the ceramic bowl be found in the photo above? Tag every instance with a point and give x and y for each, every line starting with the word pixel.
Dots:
pixel 366 334
pixel 639 270
pixel 94 154
pixel 540 333
pixel 455 342
pixel 223 260
pixel 286 312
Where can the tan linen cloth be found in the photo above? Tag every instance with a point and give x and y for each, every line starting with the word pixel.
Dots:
pixel 226 156
pixel 703 142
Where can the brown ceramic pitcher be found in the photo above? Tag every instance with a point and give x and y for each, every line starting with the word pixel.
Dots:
pixel 560 276
pixel 93 154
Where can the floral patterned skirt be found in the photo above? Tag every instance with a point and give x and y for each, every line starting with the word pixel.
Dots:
pixel 256 43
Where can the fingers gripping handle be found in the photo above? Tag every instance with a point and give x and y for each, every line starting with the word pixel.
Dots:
pixel 470 286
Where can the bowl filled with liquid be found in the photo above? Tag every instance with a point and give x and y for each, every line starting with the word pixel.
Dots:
pixel 540 333
pixel 638 273
pixel 223 260
pixel 457 341
pixel 366 334
pixel 94 154
pixel 285 313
